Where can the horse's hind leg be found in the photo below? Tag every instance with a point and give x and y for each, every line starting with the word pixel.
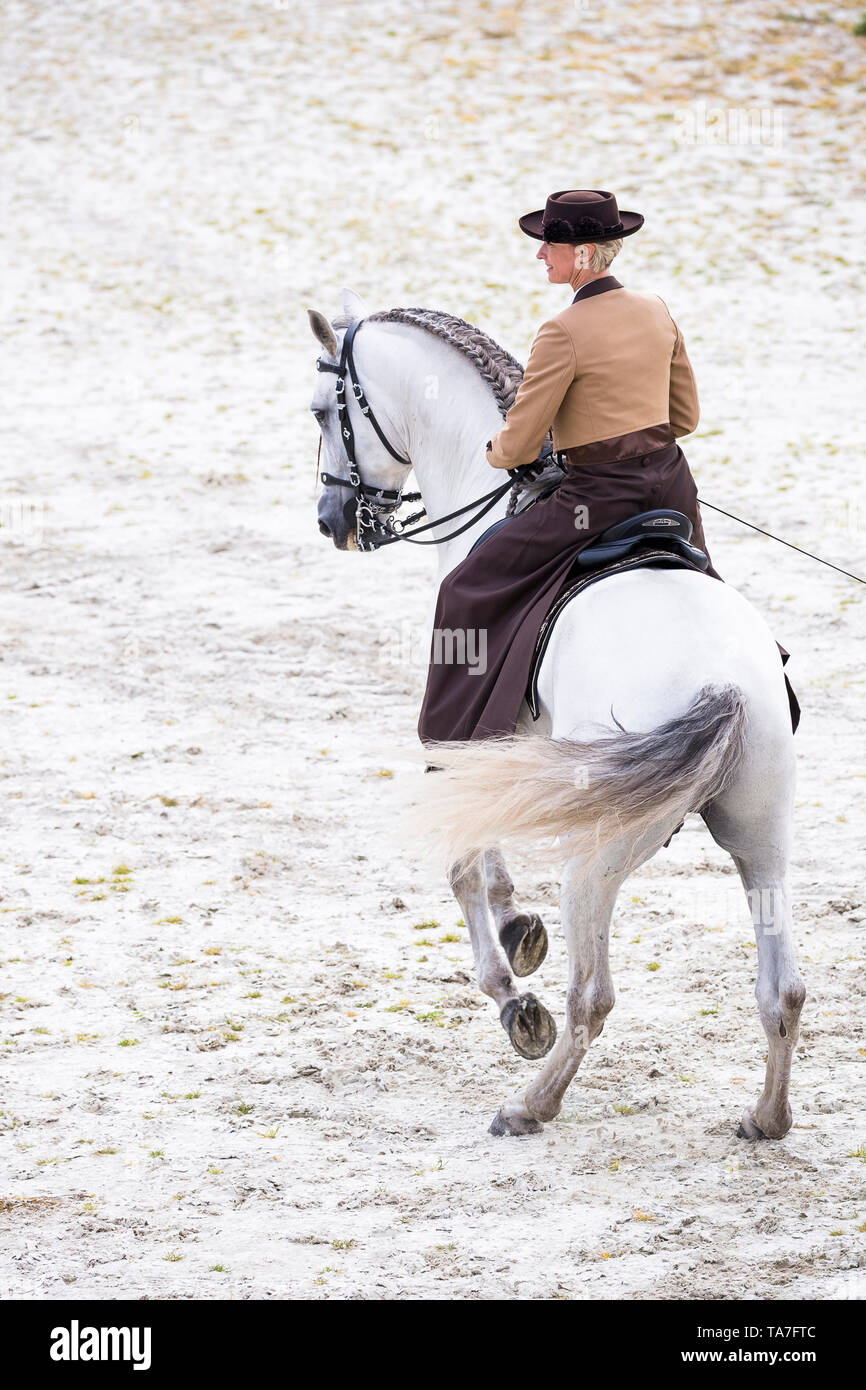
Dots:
pixel 752 821
pixel 522 934
pixel 528 1024
pixel 780 993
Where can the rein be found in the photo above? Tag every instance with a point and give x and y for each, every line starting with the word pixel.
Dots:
pixel 372 503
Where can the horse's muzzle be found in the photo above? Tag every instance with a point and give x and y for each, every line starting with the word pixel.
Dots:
pixel 338 522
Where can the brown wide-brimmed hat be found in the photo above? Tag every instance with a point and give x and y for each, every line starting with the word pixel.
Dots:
pixel 580 215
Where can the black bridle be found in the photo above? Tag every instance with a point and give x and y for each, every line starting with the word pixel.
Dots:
pixel 375 506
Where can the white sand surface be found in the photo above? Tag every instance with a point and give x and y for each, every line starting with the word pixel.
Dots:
pixel 232 1064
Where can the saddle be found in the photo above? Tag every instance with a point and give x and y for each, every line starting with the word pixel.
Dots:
pixel 664 528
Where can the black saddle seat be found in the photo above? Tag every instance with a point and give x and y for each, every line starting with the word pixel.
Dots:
pixel 662 527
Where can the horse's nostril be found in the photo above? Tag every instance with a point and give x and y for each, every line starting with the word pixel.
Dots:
pixel 324 528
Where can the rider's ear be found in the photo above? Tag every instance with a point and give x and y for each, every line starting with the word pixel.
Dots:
pixel 354 306
pixel 323 331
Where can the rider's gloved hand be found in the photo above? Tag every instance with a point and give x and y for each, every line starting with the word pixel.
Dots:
pixel 525 472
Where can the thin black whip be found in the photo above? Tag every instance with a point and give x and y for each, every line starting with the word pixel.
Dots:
pixel 790 544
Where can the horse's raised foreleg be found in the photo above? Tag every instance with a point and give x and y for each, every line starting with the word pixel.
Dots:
pixel 522 934
pixel 587 905
pixel 528 1024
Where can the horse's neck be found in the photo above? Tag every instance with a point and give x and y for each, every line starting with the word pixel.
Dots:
pixel 448 420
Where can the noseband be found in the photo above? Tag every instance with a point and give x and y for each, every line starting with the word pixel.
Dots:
pixel 375 506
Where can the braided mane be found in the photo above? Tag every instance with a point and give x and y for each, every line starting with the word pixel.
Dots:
pixel 498 367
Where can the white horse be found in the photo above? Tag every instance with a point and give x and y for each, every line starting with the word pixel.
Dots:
pixel 661 692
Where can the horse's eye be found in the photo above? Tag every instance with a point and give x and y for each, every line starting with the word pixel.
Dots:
pixel 318 415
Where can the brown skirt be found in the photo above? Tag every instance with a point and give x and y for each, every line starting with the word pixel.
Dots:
pixel 490 606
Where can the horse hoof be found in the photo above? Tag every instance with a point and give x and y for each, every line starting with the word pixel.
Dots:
pixel 514 1124
pixel 524 940
pixel 747 1129
pixel 529 1026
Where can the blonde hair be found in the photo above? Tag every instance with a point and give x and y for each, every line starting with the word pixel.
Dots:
pixel 603 254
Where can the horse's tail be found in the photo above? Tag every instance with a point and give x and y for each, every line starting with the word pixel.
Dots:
pixel 528 788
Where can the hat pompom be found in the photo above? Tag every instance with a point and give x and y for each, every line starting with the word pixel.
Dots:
pixel 559 229
pixel 589 226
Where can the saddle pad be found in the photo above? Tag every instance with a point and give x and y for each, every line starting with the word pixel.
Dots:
pixel 661 559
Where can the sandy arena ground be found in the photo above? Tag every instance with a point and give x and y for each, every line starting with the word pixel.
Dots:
pixel 243 1053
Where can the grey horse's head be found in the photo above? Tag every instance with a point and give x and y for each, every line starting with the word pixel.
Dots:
pixel 337 506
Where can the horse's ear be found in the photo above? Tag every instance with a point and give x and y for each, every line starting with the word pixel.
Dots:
pixel 323 331
pixel 354 306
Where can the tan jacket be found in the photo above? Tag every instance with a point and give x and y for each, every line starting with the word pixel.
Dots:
pixel 612 364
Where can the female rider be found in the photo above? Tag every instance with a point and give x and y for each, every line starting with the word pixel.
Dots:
pixel 611 376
